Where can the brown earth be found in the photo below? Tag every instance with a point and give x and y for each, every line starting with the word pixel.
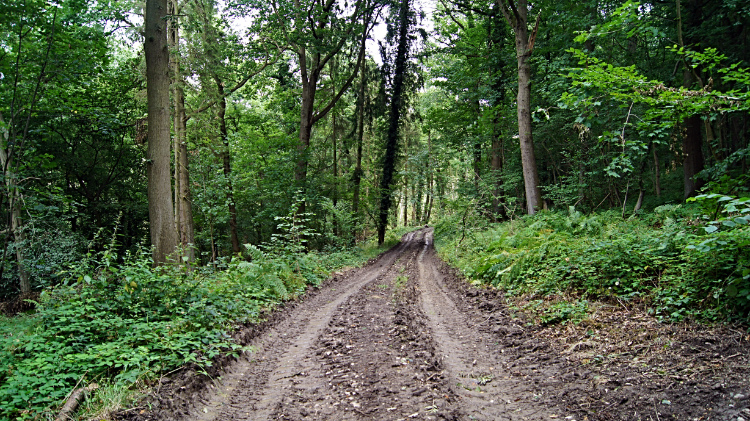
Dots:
pixel 405 337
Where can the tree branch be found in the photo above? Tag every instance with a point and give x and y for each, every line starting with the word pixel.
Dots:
pixel 349 81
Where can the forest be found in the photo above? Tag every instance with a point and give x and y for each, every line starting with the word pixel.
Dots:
pixel 174 169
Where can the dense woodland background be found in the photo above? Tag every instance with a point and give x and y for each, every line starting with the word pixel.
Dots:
pixel 631 105
pixel 258 137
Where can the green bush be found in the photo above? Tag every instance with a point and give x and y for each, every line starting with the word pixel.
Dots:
pixel 665 259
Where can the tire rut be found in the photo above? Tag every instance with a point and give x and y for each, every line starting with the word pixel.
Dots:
pixel 395 340
pixel 473 368
pixel 254 386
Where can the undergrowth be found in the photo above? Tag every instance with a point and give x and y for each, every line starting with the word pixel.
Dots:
pixel 679 261
pixel 123 324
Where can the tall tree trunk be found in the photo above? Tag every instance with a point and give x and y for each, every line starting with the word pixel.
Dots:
pixel 418 199
pixel 477 149
pixel 496 162
pixel 389 163
pixel 334 135
pixel 182 199
pixel 160 210
pixel 692 139
pixel 406 205
pixel 516 13
pixel 187 231
pixel 24 280
pixel 226 161
pixel 657 180
pixel 173 41
pixel 357 176
pixel 692 154
pixel 309 88
pixel 14 214
pixel 428 193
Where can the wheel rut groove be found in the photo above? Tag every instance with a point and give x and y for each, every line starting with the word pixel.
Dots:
pixel 394 340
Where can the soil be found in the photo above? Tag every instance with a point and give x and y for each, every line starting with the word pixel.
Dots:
pixel 406 337
pixel 19 304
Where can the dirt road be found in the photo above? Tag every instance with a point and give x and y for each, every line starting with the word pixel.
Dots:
pixel 399 339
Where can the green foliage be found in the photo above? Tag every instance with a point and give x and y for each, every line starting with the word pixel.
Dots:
pixel 123 323
pixel 663 260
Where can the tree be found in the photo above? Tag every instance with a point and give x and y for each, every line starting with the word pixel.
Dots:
pixel 317 31
pixel 160 210
pixel 516 14
pixel 403 22
pixel 182 198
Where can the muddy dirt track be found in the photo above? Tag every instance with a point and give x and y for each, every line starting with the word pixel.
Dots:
pixel 405 338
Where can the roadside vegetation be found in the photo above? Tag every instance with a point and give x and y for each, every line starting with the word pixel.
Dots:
pixel 682 261
pixel 123 325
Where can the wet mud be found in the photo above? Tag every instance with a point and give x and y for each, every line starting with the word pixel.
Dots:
pixel 405 337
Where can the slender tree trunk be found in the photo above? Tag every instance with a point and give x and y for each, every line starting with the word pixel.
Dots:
pixel 477 150
pixel 161 213
pixel 428 193
pixel 692 154
pixel 187 231
pixel 657 181
pixel 497 168
pixel 183 199
pixel 309 88
pixel 357 176
pixel 334 134
pixel 528 161
pixel 415 207
pixel 14 216
pixel 692 140
pixel 406 204
pixel 19 237
pixel 226 161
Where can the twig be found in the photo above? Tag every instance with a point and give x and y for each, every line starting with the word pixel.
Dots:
pixel 600 203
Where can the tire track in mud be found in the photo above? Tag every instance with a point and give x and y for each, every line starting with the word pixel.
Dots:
pixel 255 385
pixel 407 338
pixel 394 340
pixel 375 362
pixel 473 369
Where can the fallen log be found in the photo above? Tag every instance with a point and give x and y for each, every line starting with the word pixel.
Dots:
pixel 72 403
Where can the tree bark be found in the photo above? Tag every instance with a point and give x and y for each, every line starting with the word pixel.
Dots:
pixel 516 13
pixel 692 139
pixel 657 180
pixel 24 280
pixel 692 154
pixel 428 193
pixel 496 163
pixel 182 198
pixel 357 176
pixel 160 210
pixel 477 150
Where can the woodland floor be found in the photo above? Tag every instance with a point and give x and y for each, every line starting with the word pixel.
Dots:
pixel 406 338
